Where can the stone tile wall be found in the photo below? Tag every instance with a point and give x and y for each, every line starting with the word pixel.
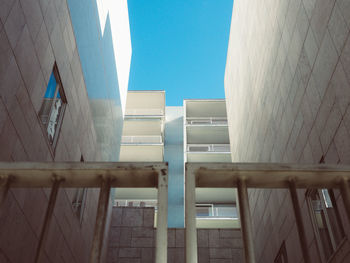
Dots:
pixel 132 239
pixel 34 34
pixel 287 85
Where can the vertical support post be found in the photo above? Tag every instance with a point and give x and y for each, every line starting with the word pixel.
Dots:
pixel 190 218
pixel 299 221
pixel 4 188
pixel 246 222
pixel 162 219
pixel 345 194
pixel 48 218
pixel 97 241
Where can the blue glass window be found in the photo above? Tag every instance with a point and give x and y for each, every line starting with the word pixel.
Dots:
pixel 52 108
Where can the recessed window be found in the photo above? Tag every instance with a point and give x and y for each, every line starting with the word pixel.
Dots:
pixel 53 106
pixel 78 202
pixel 79 199
pixel 282 254
pixel 326 221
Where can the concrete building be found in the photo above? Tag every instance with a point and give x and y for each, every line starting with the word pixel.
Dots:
pixel 287 91
pixel 57 103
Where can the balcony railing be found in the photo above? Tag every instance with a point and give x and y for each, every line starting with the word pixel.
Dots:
pixel 142 139
pixel 210 148
pixel 144 112
pixel 216 211
pixel 219 121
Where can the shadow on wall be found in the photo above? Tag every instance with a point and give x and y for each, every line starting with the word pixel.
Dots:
pixel 100 73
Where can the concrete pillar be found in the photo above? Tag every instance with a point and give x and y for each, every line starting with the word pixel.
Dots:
pixel 48 217
pixel 102 209
pixel 345 193
pixel 162 219
pixel 190 218
pixel 246 222
pixel 299 221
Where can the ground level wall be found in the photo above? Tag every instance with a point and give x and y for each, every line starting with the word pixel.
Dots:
pixel 132 240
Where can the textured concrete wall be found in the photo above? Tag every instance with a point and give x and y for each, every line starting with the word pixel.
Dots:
pixel 287 84
pixel 132 240
pixel 33 35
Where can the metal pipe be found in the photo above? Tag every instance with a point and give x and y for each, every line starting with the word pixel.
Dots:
pixel 48 217
pixel 162 219
pixel 299 220
pixel 190 218
pixel 246 222
pixel 345 193
pixel 103 201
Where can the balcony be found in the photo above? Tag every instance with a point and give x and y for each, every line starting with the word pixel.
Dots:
pixel 209 148
pixel 207 121
pixel 142 140
pixel 146 112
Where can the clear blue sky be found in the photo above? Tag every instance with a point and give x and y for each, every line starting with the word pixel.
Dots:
pixel 179 46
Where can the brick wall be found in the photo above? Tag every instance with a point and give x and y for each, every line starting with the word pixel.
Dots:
pixel 33 36
pixel 287 85
pixel 132 239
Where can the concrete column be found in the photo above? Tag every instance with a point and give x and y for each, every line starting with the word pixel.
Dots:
pixel 246 222
pixel 345 193
pixel 100 223
pixel 299 221
pixel 162 219
pixel 190 218
pixel 48 217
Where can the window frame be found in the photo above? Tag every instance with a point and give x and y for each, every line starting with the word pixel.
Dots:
pixel 59 89
pixel 316 231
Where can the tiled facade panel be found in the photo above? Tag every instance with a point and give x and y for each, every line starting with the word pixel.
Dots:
pixel 287 85
pixel 33 35
pixel 132 239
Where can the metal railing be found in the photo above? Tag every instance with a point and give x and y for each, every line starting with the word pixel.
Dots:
pixel 144 112
pixel 142 139
pixel 211 148
pixel 216 211
pixel 219 121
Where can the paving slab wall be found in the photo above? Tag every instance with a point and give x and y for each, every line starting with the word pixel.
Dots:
pixel 34 34
pixel 287 85
pixel 132 239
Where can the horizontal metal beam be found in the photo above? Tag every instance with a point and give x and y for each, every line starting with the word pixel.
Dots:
pixel 268 175
pixel 82 174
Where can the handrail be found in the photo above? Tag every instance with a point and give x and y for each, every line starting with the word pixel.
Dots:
pixel 211 148
pixel 206 121
pixel 142 139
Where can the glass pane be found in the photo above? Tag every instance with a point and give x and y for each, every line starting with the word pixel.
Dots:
pixel 321 224
pixel 53 119
pixel 203 211
pixel 51 87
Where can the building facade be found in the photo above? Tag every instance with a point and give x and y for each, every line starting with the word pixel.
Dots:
pixel 287 91
pixel 48 114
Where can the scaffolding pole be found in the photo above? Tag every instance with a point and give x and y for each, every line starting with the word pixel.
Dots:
pixel 299 220
pixel 246 222
pixel 345 193
pixel 48 217
pixel 162 219
pixel 4 188
pixel 100 224
pixel 190 218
